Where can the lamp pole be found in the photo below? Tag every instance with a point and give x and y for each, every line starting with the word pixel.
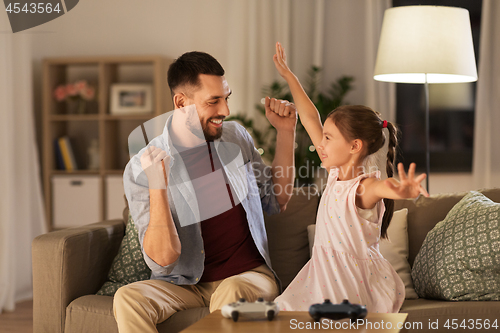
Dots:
pixel 427 134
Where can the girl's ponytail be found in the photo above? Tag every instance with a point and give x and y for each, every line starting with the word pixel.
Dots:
pixel 361 122
pixel 391 155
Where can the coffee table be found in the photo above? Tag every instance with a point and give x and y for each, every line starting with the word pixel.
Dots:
pixel 293 321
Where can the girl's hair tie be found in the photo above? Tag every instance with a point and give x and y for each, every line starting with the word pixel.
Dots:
pixel 384 124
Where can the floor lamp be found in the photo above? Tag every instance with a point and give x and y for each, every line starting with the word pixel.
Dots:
pixel 426 44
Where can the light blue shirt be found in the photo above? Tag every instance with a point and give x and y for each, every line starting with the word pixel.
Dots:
pixel 249 177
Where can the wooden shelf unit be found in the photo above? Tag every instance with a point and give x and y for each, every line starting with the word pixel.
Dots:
pixel 111 131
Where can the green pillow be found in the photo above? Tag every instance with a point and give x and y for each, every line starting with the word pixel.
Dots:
pixel 129 265
pixel 460 258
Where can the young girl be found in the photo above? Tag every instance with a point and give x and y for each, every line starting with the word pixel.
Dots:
pixel 355 208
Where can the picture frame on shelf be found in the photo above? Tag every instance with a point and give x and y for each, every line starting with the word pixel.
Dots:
pixel 131 98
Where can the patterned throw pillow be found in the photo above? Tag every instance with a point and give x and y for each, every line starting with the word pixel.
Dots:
pixel 460 258
pixel 129 265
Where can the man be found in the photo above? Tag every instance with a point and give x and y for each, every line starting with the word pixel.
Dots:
pixel 198 204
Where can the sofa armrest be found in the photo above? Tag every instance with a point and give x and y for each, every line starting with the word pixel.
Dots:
pixel 68 264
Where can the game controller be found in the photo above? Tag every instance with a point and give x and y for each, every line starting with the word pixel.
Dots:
pixel 337 311
pixel 257 309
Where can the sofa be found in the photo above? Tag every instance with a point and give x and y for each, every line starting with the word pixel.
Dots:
pixel 71 265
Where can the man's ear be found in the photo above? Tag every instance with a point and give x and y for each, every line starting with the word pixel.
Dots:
pixel 180 100
pixel 356 146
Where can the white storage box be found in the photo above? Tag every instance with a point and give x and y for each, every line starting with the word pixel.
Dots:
pixel 115 201
pixel 76 200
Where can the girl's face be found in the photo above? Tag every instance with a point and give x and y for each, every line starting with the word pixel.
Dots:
pixel 334 150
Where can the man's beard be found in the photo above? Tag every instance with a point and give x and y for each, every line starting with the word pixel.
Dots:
pixel 211 136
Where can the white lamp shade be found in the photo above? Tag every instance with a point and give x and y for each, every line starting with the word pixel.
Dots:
pixel 432 40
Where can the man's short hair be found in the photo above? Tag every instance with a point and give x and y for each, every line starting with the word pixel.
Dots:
pixel 187 68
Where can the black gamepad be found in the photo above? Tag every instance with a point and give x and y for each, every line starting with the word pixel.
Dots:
pixel 337 311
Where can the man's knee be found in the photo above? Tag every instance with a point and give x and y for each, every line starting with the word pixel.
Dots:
pixel 127 296
pixel 236 287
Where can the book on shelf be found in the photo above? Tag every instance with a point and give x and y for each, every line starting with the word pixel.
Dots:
pixel 58 154
pixel 67 153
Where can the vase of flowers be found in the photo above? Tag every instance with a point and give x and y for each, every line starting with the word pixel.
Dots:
pixel 77 95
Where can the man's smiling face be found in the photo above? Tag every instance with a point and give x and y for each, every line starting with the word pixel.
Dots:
pixel 210 98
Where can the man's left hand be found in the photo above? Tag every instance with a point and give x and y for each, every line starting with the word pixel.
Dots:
pixel 282 114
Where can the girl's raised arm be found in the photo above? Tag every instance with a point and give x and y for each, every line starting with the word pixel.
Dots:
pixel 309 115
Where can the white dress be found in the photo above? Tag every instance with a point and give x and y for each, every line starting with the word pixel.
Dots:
pixel 346 262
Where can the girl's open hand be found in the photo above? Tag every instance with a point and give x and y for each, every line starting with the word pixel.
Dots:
pixel 280 61
pixel 409 186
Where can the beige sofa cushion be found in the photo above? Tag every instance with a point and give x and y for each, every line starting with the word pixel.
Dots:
pixel 396 248
pixel 427 311
pixel 93 313
pixel 288 241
